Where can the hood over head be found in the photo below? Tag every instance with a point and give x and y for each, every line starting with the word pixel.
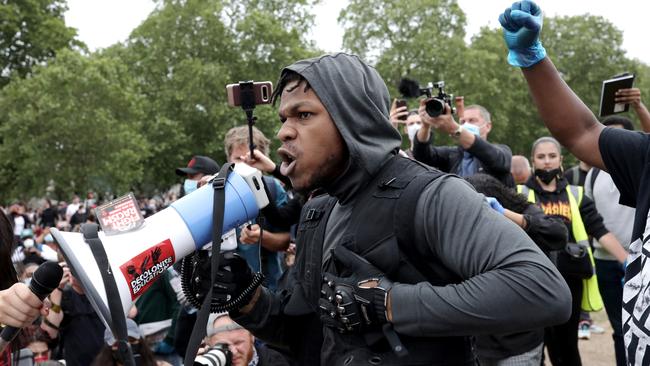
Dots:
pixel 357 99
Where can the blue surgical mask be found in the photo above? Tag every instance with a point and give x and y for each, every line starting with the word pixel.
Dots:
pixel 472 128
pixel 190 186
pixel 49 238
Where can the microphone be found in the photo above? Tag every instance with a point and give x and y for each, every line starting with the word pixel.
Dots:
pixel 45 279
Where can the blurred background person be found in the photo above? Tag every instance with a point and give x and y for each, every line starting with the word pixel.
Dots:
pixel 550 234
pixel 520 169
pixel 109 355
pixel 198 167
pixel 241 343
pixel 473 154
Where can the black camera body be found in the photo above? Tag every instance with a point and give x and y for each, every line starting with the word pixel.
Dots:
pixel 435 105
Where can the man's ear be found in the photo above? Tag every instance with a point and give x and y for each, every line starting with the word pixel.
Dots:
pixel 488 127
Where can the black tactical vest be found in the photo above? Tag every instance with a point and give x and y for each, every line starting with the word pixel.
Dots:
pixel 382 231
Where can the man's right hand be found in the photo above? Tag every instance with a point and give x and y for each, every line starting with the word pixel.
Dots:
pixel 19 307
pixel 259 161
pixel 522 23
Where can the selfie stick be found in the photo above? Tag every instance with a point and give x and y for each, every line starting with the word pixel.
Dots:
pixel 247 97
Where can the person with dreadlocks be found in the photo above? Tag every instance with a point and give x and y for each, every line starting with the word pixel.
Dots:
pixel 550 234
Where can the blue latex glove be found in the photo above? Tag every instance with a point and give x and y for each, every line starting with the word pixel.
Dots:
pixel 163 348
pixel 495 204
pixel 522 23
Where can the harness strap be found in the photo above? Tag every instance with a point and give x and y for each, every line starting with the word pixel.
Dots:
pixel 199 331
pixel 118 321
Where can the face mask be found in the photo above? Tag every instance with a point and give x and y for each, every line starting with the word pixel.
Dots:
pixel 49 238
pixel 41 358
pixel 412 130
pixel 28 243
pixel 547 176
pixel 472 128
pixel 190 186
pixel 27 281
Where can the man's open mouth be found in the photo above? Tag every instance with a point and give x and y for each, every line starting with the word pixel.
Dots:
pixel 288 162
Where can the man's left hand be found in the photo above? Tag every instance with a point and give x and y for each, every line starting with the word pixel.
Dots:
pixel 359 301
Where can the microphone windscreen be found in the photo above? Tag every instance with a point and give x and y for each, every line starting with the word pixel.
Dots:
pixel 409 88
pixel 46 278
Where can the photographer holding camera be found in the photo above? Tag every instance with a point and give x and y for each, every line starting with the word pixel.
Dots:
pixel 227 339
pixel 474 154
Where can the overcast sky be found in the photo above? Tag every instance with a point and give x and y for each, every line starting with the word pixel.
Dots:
pixel 101 23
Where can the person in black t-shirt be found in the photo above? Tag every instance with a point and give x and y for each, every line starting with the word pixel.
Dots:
pixel 624 154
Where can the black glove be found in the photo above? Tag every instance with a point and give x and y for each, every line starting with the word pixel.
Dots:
pixel 349 304
pixel 234 280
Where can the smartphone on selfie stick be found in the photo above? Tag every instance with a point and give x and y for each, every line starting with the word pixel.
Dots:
pixel 248 94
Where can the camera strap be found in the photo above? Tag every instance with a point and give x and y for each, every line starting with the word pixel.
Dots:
pixel 91 237
pixel 199 330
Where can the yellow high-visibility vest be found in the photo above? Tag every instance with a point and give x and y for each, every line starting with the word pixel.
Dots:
pixel 591 299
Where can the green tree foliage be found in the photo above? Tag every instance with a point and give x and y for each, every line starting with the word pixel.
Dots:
pixel 186 52
pixel 424 40
pixel 31 32
pixel 73 125
pixel 587 50
pixel 421 39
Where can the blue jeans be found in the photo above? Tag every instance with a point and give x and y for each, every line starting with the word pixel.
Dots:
pixel 610 283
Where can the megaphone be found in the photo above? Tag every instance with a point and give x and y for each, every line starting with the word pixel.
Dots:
pixel 139 257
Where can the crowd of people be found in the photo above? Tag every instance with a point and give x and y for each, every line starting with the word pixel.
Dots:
pixel 373 255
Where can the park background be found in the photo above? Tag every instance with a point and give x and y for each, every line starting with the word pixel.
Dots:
pixel 120 118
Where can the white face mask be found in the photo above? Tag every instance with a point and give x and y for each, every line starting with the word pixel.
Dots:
pixel 28 243
pixel 412 130
pixel 476 130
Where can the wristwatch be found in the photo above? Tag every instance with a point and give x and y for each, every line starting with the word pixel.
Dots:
pixel 456 134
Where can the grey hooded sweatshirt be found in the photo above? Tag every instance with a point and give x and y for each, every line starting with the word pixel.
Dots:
pixel 508 284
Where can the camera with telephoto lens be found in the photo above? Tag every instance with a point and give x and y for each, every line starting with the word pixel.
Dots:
pixel 435 105
pixel 219 355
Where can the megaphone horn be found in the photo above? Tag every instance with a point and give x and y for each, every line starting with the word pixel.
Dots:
pixel 139 257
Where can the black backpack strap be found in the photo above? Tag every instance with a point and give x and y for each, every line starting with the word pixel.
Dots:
pixel 91 237
pixel 589 190
pixel 199 331
pixel 405 224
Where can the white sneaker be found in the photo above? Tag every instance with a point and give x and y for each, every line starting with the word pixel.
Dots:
pixel 596 329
